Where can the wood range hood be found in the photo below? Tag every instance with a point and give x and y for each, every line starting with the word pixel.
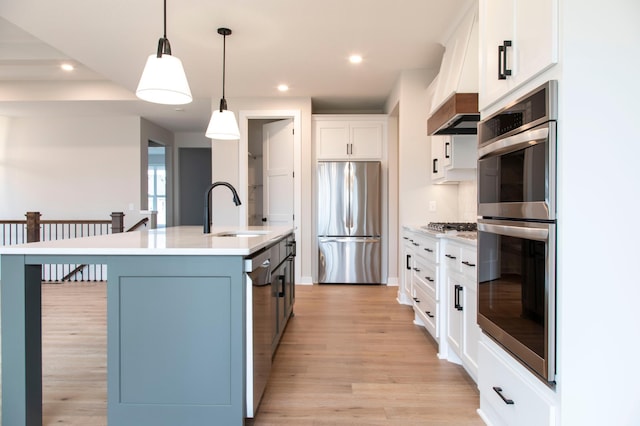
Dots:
pixel 458 115
pixel 454 108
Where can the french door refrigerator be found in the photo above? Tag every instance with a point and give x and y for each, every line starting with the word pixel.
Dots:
pixel 349 225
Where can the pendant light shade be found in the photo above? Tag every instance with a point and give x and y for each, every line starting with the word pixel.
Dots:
pixel 223 124
pixel 163 80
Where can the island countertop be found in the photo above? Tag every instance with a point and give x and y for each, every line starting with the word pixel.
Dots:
pixel 179 240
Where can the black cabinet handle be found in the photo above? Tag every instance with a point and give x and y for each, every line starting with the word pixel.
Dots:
pixel 416 300
pixel 450 256
pixel 447 146
pixel 416 244
pixel 507 401
pixel 429 314
pixel 416 269
pixel 409 262
pixel 473 265
pixel 281 278
pixel 428 250
pixel 435 165
pixel 503 72
pixel 429 279
pixel 456 297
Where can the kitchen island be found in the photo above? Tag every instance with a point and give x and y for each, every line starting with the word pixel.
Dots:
pixel 176 323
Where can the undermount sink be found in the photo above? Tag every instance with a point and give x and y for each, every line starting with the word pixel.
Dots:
pixel 241 234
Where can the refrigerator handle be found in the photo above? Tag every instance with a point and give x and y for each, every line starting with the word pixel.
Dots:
pixel 350 240
pixel 349 221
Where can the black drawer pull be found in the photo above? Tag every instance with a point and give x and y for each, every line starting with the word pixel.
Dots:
pixel 429 279
pixel 503 72
pixel 416 244
pixel 429 314
pixel 428 250
pixel 456 297
pixel 415 299
pixel 507 401
pixel 416 269
pixel 464 262
pixel 450 256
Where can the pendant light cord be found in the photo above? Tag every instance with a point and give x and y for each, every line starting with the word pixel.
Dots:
pixel 164 48
pixel 224 58
pixel 224 32
pixel 165 19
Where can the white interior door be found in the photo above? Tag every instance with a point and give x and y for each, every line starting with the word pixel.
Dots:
pixel 278 205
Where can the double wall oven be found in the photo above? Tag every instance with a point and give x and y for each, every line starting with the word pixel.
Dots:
pixel 517 229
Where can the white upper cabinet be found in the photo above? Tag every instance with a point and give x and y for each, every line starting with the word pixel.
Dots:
pixel 349 137
pixel 453 158
pixel 518 40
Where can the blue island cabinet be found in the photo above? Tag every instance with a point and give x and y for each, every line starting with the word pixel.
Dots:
pixel 175 338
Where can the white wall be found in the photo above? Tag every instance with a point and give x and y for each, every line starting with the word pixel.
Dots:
pixel 598 211
pixel 225 167
pixel 413 100
pixel 70 167
pixel 152 132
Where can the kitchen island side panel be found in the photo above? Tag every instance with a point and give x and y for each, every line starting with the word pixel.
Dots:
pixel 175 340
pixel 21 342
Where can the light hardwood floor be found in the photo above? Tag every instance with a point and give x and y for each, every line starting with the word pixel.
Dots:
pixel 350 356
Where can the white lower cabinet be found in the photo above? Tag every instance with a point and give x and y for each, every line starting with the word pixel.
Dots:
pixel 509 394
pixel 425 290
pixel 404 288
pixel 440 275
pixel 461 310
pixel 426 310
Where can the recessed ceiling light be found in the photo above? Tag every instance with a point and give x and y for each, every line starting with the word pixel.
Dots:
pixel 283 87
pixel 355 59
pixel 67 67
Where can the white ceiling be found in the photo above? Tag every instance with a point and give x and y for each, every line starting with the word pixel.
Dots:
pixel 302 43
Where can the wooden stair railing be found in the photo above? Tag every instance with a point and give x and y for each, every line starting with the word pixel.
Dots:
pixel 79 268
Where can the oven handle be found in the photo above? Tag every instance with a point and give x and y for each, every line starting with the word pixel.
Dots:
pixel 538 234
pixel 515 142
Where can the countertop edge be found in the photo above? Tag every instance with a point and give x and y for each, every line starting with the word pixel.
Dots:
pixel 171 241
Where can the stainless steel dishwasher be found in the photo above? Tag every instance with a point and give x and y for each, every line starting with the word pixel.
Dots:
pixel 259 314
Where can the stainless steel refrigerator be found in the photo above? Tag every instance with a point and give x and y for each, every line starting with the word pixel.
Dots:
pixel 349 225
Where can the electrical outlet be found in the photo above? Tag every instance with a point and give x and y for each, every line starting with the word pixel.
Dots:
pixel 432 206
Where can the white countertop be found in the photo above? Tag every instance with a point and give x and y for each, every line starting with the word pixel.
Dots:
pixel 466 237
pixel 179 240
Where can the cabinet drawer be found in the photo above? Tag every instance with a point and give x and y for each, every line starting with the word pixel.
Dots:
pixel 427 308
pixel 468 261
pixel 426 247
pixel 425 273
pixel 451 257
pixel 524 402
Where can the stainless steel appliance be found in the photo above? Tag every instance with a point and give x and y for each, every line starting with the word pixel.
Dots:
pixel 517 229
pixel 259 328
pixel 349 225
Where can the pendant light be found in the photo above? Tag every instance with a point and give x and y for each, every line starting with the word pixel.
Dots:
pixel 223 124
pixel 163 80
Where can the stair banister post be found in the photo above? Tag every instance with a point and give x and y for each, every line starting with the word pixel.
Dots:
pixel 117 222
pixel 33 227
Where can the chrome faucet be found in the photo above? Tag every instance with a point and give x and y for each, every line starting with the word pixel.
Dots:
pixel 207 203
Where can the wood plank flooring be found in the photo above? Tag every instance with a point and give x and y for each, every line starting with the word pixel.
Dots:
pixel 350 356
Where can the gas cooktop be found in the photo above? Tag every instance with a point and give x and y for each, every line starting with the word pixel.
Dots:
pixel 451 226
